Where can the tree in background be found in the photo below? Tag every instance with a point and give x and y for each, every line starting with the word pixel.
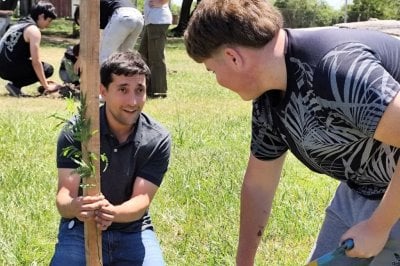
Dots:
pixel 314 13
pixel 362 10
pixel 184 16
pixel 25 7
pixel 307 13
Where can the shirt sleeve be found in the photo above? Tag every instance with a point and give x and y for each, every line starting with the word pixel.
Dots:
pixel 156 164
pixel 359 84
pixel 68 149
pixel 266 142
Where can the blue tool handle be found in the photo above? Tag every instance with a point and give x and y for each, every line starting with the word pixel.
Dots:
pixel 347 244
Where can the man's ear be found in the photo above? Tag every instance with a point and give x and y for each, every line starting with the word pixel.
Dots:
pixel 103 90
pixel 234 57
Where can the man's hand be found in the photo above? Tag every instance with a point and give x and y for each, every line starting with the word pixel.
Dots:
pixel 51 87
pixel 369 239
pixel 105 215
pixel 85 207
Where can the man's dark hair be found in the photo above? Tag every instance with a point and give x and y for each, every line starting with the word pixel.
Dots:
pixel 43 7
pixel 123 63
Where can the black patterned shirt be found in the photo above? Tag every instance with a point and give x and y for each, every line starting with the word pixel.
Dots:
pixel 340 82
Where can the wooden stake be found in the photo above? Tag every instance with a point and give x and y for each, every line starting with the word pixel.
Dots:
pixel 90 81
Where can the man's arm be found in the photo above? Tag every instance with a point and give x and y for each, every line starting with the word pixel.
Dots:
pixel 69 204
pixel 4 13
pixel 33 36
pixel 258 190
pixel 132 209
pixel 371 235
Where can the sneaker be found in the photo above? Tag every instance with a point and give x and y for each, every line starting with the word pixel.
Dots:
pixel 13 90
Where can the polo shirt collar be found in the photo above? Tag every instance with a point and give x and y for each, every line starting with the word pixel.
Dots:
pixel 105 128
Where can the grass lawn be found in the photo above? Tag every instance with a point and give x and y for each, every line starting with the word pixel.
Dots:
pixel 196 209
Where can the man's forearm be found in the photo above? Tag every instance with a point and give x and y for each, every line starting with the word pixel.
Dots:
pixel 64 206
pixel 254 212
pixel 388 211
pixel 132 209
pixel 38 67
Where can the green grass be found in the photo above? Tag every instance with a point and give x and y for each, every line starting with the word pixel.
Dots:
pixel 196 209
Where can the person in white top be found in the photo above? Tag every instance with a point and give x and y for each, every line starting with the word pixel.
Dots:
pixel 157 18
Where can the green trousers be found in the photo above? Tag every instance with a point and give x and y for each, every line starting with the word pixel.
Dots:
pixel 152 50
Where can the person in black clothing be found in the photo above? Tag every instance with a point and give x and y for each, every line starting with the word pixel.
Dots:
pixel 330 97
pixel 19 51
pixel 67 71
pixel 184 17
pixel 137 149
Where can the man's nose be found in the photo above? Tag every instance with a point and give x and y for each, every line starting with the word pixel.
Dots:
pixel 132 98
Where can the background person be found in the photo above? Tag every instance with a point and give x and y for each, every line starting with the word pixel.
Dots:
pixel 6 11
pixel 5 20
pixel 137 150
pixel 121 23
pixel 331 97
pixel 157 17
pixel 20 61
pixel 67 71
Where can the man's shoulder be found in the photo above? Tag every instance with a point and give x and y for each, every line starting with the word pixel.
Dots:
pixel 150 124
pixel 32 30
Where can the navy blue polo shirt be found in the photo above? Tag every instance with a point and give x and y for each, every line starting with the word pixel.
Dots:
pixel 145 154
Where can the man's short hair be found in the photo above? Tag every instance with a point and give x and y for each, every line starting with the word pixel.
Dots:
pixel 250 23
pixel 43 7
pixel 123 63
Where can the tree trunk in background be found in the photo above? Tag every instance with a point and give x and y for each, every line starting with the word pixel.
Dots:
pixel 25 7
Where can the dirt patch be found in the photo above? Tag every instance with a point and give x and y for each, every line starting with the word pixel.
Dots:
pixel 59 40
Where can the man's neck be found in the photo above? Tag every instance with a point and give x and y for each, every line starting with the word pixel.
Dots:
pixel 273 65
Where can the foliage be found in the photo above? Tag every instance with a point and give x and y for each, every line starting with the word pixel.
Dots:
pixel 175 9
pixel 307 13
pixel 362 10
pixel 60 27
pixel 311 13
pixel 196 209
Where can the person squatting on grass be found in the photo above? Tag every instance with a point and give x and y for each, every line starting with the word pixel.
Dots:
pixel 138 151
pixel 20 61
pixel 67 68
pixel 121 23
pixel 329 96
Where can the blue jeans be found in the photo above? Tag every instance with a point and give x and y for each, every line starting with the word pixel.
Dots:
pixel 119 248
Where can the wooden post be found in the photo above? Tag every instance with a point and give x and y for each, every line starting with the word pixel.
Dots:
pixel 90 82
